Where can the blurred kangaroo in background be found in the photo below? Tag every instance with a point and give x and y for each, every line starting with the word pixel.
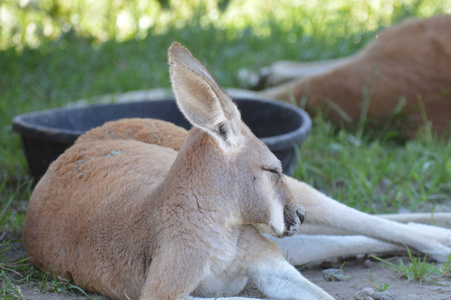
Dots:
pixel 404 72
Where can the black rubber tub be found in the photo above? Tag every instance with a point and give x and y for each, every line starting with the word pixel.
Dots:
pixel 46 134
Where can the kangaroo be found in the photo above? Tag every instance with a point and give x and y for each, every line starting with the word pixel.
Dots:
pixel 133 220
pixel 403 72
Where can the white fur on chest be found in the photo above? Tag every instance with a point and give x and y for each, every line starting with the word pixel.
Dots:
pixel 225 272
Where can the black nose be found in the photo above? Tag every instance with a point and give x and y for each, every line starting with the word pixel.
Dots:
pixel 300 214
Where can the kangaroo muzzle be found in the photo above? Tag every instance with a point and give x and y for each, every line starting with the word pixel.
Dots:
pixel 294 216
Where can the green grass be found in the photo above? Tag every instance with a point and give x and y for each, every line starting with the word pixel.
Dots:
pixel 377 174
pixel 368 168
pixel 446 269
pixel 33 23
pixel 378 286
pixel 417 269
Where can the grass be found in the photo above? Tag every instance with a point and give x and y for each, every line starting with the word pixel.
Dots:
pixel 61 285
pixel 378 286
pixel 15 274
pixel 376 174
pixel 371 169
pixel 417 269
pixel 446 270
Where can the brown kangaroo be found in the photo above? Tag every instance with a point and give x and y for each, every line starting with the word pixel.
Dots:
pixel 405 71
pixel 129 219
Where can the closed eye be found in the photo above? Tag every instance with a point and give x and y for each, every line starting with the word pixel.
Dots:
pixel 274 171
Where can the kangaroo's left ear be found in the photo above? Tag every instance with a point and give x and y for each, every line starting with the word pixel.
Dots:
pixel 201 99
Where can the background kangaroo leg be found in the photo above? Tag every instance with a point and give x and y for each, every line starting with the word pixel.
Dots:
pixel 440 221
pixel 303 249
pixel 323 210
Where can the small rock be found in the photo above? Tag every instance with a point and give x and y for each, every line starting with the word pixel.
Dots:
pixel 333 274
pixel 369 298
pixel 364 293
pixel 368 264
pixel 385 295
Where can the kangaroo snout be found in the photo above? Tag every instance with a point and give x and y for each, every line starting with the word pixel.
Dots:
pixel 294 216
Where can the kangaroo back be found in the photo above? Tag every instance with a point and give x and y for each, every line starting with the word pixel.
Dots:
pixel 404 71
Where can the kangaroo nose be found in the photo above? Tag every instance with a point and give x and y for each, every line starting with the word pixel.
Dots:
pixel 301 214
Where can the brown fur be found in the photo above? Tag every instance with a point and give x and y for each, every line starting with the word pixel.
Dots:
pixel 411 60
pixel 149 131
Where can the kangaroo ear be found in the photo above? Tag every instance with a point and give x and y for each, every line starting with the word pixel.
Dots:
pixel 200 98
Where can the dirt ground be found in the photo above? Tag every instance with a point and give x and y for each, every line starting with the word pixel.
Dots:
pixel 356 278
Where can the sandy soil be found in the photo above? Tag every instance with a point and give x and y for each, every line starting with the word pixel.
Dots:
pixel 357 277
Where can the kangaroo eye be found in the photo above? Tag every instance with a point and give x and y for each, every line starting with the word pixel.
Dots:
pixel 273 171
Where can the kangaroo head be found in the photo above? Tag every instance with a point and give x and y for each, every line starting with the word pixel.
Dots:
pixel 233 167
